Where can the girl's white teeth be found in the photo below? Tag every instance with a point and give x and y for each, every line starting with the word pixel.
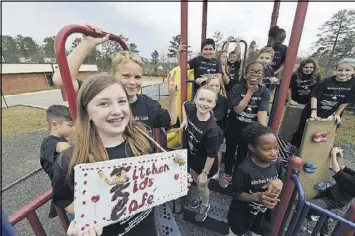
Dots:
pixel 115 120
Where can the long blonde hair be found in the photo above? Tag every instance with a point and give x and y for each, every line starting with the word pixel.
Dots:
pixel 123 58
pixel 87 145
pixel 222 90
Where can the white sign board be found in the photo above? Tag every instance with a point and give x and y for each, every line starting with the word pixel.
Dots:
pixel 110 191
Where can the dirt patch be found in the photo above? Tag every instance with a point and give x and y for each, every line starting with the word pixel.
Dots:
pixel 22 119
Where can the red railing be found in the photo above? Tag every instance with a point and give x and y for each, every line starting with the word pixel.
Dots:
pixel 29 212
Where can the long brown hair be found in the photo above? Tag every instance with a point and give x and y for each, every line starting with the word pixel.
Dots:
pixel 314 75
pixel 87 145
pixel 222 91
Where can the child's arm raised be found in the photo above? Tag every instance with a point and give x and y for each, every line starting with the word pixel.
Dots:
pixel 184 117
pixel 173 88
pixel 77 57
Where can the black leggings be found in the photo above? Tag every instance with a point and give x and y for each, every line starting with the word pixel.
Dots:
pixel 235 142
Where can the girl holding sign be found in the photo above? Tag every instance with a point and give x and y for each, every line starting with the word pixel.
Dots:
pixel 204 140
pixel 104 130
pixel 128 69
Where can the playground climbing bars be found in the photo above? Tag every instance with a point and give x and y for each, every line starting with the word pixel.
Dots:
pixel 60 40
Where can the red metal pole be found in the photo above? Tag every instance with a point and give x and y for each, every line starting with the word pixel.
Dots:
pixel 204 20
pixel 290 62
pixel 350 216
pixel 274 16
pixel 60 40
pixel 279 212
pixel 183 58
pixel 36 224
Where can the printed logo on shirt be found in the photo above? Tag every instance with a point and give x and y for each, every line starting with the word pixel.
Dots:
pixel 332 97
pixel 140 118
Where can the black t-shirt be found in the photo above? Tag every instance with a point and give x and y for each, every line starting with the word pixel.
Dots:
pixel 48 153
pixel 202 66
pixel 344 189
pixel 233 73
pixel 331 93
pixel 301 88
pixel 279 56
pixel 269 73
pixel 63 195
pixel 250 178
pixel 149 112
pixel 204 139
pixel 259 101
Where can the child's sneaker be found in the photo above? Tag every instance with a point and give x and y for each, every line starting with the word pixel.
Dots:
pixel 202 213
pixel 225 181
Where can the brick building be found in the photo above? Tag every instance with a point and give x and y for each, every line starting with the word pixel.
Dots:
pixel 21 78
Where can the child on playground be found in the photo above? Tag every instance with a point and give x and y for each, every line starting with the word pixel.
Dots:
pixel 204 138
pixel 60 125
pixel 104 130
pixel 204 64
pixel 233 62
pixel 249 102
pixel 223 58
pixel 219 111
pixel 128 69
pixel 265 56
pixel 256 183
pixel 342 192
pixel 303 81
pixel 278 36
pixel 329 99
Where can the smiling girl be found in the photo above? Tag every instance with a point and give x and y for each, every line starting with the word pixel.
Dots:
pixel 303 81
pixel 249 102
pixel 128 69
pixel 204 138
pixel 329 99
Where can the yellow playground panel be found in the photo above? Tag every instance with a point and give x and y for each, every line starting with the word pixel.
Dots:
pixel 174 135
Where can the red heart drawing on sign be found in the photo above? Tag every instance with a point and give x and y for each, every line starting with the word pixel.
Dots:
pixel 176 176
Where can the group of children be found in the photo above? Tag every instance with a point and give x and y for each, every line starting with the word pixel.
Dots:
pixel 113 117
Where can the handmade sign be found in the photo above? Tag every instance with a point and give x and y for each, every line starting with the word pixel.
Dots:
pixel 110 191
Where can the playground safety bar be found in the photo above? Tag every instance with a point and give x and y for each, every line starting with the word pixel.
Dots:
pixel 29 212
pixel 60 41
pixel 245 52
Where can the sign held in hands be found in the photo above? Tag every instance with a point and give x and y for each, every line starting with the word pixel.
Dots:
pixel 110 191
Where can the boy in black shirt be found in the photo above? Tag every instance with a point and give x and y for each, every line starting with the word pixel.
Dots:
pixel 60 125
pixel 341 193
pixel 265 56
pixel 204 139
pixel 256 183
pixel 329 99
pixel 204 64
pixel 234 62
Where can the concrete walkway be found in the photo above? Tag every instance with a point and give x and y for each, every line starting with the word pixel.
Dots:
pixel 50 97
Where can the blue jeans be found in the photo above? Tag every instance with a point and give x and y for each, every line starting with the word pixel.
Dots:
pixel 70 216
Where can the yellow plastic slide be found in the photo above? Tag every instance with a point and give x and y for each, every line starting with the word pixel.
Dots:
pixel 174 135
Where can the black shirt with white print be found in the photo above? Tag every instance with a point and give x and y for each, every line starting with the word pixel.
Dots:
pixel 250 178
pixel 149 112
pixel 259 101
pixel 142 223
pixel 331 93
pixel 204 140
pixel 301 88
pixel 279 56
pixel 233 73
pixel 269 73
pixel 201 67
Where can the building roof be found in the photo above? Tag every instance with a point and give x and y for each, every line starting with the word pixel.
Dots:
pixel 25 68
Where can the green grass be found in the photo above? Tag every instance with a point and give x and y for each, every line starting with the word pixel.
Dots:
pixel 346 134
pixel 22 119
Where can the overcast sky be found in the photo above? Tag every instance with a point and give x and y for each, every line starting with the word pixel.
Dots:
pixel 151 25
